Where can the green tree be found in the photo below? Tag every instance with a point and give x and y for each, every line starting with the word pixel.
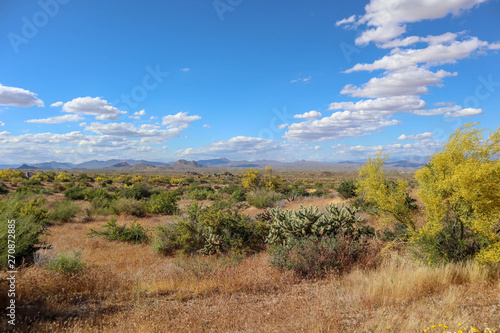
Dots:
pixel 460 187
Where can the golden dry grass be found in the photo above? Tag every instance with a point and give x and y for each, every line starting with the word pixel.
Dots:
pixel 130 288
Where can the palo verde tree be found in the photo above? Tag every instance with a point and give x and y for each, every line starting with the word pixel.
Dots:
pixel 460 187
pixel 390 198
pixel 255 179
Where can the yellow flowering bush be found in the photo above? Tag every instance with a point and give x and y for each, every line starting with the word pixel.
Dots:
pixel 459 328
pixel 9 174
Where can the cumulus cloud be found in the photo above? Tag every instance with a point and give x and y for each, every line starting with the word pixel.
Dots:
pixel 129 130
pixel 464 112
pixel 180 119
pixel 96 106
pixel 409 81
pixel 308 115
pixel 56 120
pixel 140 113
pixel 2 123
pixel 339 125
pixel 423 136
pixel 386 19
pixel 56 104
pixel 12 96
pixel 71 147
pixel 432 55
pixel 383 105
pixel 438 111
pixel 206 125
pixel 281 126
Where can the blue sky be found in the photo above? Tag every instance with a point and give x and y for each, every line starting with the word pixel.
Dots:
pixel 287 80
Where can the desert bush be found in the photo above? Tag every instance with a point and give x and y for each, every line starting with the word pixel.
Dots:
pixel 111 231
pixel 202 193
pixel 163 203
pixel 347 188
pixel 239 196
pixel 262 198
pixel 255 179
pixel 75 193
pixel 96 193
pixel 31 219
pixel 313 256
pixel 136 191
pixel 101 206
pixel 123 206
pixel 3 189
pixel 64 211
pixel 208 230
pixel 318 193
pixel 66 262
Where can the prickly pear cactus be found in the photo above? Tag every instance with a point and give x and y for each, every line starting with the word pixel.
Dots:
pixel 338 220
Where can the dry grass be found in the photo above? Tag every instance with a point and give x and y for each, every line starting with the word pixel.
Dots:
pixel 130 288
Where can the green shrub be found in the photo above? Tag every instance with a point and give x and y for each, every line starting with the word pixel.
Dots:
pixel 96 193
pixel 138 191
pixel 64 211
pixel 100 206
pixel 3 189
pixel 202 193
pixel 318 193
pixel 75 193
pixel 213 229
pixel 163 203
pixel 135 234
pixel 263 198
pixel 298 192
pixel 454 243
pixel 68 263
pixel 123 206
pixel 239 196
pixel 313 256
pixel 347 188
pixel 30 222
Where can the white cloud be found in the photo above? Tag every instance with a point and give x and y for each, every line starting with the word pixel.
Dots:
pixel 12 96
pixel 180 119
pixel 339 125
pixel 409 81
pixel 386 19
pixel 308 115
pixel 305 79
pixel 56 104
pixel 206 126
pixel 281 126
pixel 423 136
pixel 140 113
pixel 438 111
pixel 464 112
pixel 131 131
pixel 96 106
pixel 186 69
pixel 416 152
pixel 56 120
pixel 72 147
pixel 383 105
pixel 2 123
pixel 153 117
pixel 432 55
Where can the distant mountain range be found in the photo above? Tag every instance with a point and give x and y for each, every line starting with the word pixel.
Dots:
pixel 141 165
